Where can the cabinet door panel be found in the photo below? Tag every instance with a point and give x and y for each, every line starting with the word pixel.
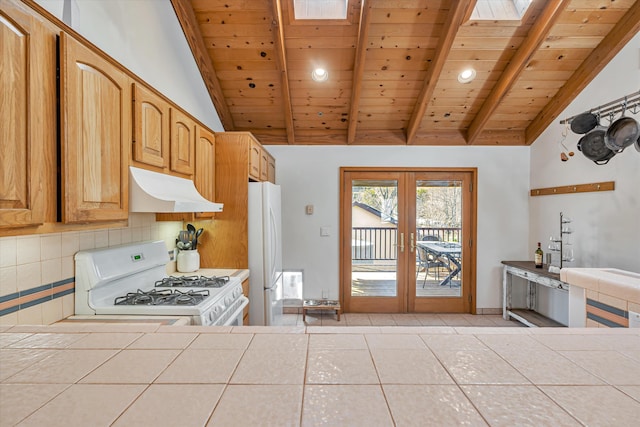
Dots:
pixel 255 156
pixel 151 128
pixel 94 136
pixel 205 173
pixel 271 174
pixel 26 119
pixel 182 142
pixel 264 166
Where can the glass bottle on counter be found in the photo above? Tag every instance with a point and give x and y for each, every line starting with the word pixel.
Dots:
pixel 538 256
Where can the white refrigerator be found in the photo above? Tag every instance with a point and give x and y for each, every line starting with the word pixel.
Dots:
pixel 265 254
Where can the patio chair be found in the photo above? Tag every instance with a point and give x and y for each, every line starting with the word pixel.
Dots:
pixel 427 260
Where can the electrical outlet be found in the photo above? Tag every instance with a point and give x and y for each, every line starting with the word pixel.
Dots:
pixel 325 293
pixel 309 209
pixel 325 231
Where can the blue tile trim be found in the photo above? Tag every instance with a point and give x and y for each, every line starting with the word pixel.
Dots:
pixel 604 321
pixel 35 302
pixel 9 297
pixel 9 310
pixel 63 293
pixel 16 295
pixel 35 290
pixel 63 282
pixel 605 307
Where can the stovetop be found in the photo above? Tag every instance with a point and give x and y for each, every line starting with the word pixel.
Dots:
pixel 192 282
pixel 163 297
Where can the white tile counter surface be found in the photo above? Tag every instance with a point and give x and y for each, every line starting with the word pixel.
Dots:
pixel 88 374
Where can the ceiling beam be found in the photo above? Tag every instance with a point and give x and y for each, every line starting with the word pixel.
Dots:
pixel 282 67
pixel 452 137
pixel 358 72
pixel 457 12
pixel 608 48
pixel 191 30
pixel 537 34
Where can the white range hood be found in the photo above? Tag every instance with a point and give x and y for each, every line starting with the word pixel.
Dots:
pixel 159 193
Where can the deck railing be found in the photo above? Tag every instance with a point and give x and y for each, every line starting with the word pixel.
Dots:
pixel 379 243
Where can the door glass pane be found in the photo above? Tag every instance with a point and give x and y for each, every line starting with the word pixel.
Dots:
pixel 438 238
pixel 374 234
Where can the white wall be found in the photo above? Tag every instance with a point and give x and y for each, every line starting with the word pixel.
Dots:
pixel 310 175
pixel 606 229
pixel 145 37
pixel 607 233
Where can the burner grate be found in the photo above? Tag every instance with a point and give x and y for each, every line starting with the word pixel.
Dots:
pixel 163 297
pixel 192 282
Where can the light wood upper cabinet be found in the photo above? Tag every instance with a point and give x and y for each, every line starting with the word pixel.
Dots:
pixel 183 130
pixel 205 174
pixel 271 166
pixel 255 157
pixel 264 165
pixel 27 119
pixel 150 128
pixel 95 135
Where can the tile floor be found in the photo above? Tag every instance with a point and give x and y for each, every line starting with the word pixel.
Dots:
pixel 327 318
pixel 82 374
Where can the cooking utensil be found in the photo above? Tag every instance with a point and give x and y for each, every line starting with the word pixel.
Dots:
pixel 593 147
pixel 583 123
pixel 622 133
pixel 183 236
pixel 563 155
pixel 195 239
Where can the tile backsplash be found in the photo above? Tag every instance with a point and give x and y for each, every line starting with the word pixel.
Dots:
pixel 37 271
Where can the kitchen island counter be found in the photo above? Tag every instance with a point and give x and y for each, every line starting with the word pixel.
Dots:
pixel 77 374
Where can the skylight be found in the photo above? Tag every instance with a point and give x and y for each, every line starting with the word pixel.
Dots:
pixel 500 10
pixel 320 9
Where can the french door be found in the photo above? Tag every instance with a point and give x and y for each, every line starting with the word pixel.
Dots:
pixel 406 240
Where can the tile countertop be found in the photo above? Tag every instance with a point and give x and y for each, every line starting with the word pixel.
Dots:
pixel 139 374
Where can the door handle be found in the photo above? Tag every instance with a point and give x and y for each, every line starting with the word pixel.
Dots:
pixel 412 242
pixel 401 245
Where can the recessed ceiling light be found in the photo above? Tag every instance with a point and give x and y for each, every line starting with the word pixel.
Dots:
pixel 467 75
pixel 319 75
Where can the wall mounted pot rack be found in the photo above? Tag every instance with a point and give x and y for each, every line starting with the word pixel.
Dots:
pixel 630 102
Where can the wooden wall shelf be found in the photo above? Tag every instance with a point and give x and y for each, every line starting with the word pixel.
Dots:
pixel 578 188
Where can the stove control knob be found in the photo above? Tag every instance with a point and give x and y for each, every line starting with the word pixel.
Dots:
pixel 217 309
pixel 237 292
pixel 227 301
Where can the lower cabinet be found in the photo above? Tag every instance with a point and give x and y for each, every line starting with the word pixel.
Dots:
pixel 245 291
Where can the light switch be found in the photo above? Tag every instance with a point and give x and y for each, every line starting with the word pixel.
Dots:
pixel 309 209
pixel 324 231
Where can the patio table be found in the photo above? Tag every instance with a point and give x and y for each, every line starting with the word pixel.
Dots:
pixel 449 250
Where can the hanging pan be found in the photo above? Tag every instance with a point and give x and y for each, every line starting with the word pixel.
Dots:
pixel 583 123
pixel 593 147
pixel 622 133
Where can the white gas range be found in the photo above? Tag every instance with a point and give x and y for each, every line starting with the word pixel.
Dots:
pixel 132 280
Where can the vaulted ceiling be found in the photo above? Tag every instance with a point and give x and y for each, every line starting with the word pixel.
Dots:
pixel 393 68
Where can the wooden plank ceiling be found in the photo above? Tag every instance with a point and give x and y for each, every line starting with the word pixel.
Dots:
pixel 393 68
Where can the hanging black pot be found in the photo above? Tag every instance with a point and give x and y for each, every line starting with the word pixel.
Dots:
pixel 593 147
pixel 621 134
pixel 583 123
